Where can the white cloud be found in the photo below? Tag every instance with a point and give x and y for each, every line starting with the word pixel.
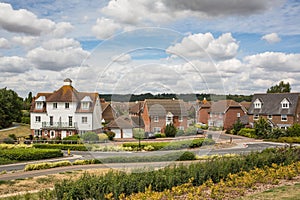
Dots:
pixel 13 64
pixel 122 59
pixel 205 46
pixel 274 61
pixel 4 44
pixel 57 60
pixel 105 28
pixel 61 43
pixel 271 38
pixel 23 21
pixel 62 28
pixel 27 41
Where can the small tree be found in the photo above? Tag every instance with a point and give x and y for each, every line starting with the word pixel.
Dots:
pixel 262 128
pixel 139 134
pixel 110 135
pixel 170 130
pixel 237 126
pixel 293 131
pixel 90 136
pixel 280 88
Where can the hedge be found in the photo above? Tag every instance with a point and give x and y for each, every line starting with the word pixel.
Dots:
pixel 247 132
pixel 46 165
pixel 30 154
pixel 287 139
pixel 74 147
pixel 172 145
pixel 118 182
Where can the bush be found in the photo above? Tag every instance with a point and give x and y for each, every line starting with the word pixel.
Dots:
pixel 21 154
pixel 74 147
pixel 90 137
pixel 160 135
pixel 187 155
pixel 276 133
pixel 25 120
pixel 293 131
pixel 262 128
pixel 103 137
pixel 247 132
pixel 8 140
pixel 110 135
pixel 170 130
pixel 179 132
pixel 288 140
pixel 237 126
pixel 73 139
pixel 46 165
pixel 191 130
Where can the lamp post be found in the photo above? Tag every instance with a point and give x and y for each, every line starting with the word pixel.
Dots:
pixel 139 112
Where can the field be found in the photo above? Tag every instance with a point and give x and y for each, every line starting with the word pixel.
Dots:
pixel 21 131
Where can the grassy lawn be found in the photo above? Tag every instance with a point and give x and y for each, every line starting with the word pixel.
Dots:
pixel 287 192
pixel 21 131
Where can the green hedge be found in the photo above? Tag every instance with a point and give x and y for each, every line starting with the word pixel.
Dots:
pixel 287 139
pixel 172 145
pixel 30 154
pixel 74 147
pixel 118 182
pixel 46 165
pixel 247 132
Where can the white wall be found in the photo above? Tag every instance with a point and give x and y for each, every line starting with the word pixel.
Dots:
pixel 37 125
pixel 97 115
pixel 81 126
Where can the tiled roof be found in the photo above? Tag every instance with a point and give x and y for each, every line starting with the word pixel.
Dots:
pixel 65 94
pixel 126 122
pixel 136 107
pixel 271 103
pixel 160 107
pixel 222 106
pixel 92 96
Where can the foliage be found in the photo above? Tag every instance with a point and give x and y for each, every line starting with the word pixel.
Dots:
pixel 138 133
pixel 15 146
pixel 247 132
pixel 21 154
pixel 187 156
pixel 116 183
pixel 25 120
pixel 86 162
pixel 237 126
pixel 8 140
pixel 293 131
pixel 90 137
pixel 159 135
pixel 10 108
pixel 179 132
pixel 276 133
pixel 74 147
pixel 110 135
pixel 262 128
pixel 27 101
pixel 289 140
pixel 170 130
pixel 191 130
pixel 46 165
pixel 280 88
pixel 73 139
pixel 103 137
pixel 172 145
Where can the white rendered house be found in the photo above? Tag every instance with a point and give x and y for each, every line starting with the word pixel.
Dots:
pixel 65 112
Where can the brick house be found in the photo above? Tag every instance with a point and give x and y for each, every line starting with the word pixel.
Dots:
pixel 108 113
pixel 280 109
pixel 65 112
pixel 223 113
pixel 157 113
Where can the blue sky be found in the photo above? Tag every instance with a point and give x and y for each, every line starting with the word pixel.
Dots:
pixel 199 46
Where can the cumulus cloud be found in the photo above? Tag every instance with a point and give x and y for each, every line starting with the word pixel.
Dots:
pixel 23 21
pixel 62 28
pixel 105 28
pixel 58 59
pixel 122 59
pixel 4 44
pixel 61 43
pixel 274 61
pixel 205 45
pixel 25 40
pixel 13 64
pixel 271 38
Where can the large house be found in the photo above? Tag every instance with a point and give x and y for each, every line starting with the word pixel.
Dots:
pixel 65 112
pixel 280 109
pixel 156 114
pixel 223 113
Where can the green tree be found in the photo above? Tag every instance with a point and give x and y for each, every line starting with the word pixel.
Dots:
pixel 90 136
pixel 262 128
pixel 27 101
pixel 10 107
pixel 139 134
pixel 293 131
pixel 170 130
pixel 237 126
pixel 280 88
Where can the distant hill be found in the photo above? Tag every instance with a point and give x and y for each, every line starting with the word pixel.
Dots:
pixel 185 97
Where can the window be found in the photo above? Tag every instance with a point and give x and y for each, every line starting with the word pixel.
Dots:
pixel 67 105
pixel 270 116
pixel 156 129
pixel 52 134
pixel 37 118
pixel 180 119
pixel 285 103
pixel 256 116
pixel 257 103
pixel 54 105
pixel 156 119
pixel 70 133
pixel 51 120
pixel 70 120
pixel 39 105
pixel 238 114
pixel 46 132
pixel 38 133
pixel 84 120
pixel 283 117
pixel 85 105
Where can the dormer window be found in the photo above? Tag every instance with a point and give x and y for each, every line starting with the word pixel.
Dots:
pixel 257 104
pixel 285 103
pixel 39 105
pixel 39 102
pixel 85 102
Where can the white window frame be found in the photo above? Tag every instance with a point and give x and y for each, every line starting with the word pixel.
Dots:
pixel 157 129
pixel 156 119
pixel 38 132
pixel 255 116
pixel 238 115
pixel 54 105
pixel 285 104
pixel 284 118
pixel 52 134
pixel 257 104
pixel 85 105
pixel 270 116
pixel 67 105
pixel 39 105
pixel 38 119
pixel 84 120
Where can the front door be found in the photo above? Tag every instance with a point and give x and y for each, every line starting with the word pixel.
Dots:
pixel 63 134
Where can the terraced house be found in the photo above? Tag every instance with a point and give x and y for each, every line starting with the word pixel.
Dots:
pixel 280 109
pixel 65 112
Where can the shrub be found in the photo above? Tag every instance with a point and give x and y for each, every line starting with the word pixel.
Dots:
pixel 276 133
pixel 74 147
pixel 25 120
pixel 73 139
pixel 103 137
pixel 8 140
pixel 237 126
pixel 21 154
pixel 160 135
pixel 86 162
pixel 191 130
pixel 262 128
pixel 179 132
pixel 170 130
pixel 187 155
pixel 46 165
pixel 247 132
pixel 90 137
pixel 293 131
pixel 110 135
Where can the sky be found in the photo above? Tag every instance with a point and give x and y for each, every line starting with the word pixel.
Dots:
pixel 157 46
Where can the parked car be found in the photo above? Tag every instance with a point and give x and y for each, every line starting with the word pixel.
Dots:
pixel 149 135
pixel 200 131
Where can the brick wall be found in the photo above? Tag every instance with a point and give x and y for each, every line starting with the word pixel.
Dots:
pixel 231 117
pixel 203 115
